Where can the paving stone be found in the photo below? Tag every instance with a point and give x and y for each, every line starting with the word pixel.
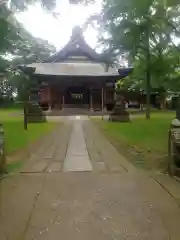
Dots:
pixel 105 152
pixel 39 166
pixel 77 158
pixel 52 149
pixel 54 167
pixel 99 167
pixel 63 142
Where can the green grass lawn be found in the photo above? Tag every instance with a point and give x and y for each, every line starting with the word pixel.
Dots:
pixel 142 140
pixel 15 136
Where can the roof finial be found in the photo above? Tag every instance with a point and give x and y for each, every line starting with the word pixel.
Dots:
pixel 77 32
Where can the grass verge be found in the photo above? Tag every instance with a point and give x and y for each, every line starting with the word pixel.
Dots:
pixel 143 142
pixel 17 139
pixel 14 166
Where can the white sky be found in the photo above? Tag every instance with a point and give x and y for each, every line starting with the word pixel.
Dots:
pixel 58 30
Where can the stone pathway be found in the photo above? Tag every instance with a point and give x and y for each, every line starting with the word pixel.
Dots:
pixel 77 158
pixel 77 186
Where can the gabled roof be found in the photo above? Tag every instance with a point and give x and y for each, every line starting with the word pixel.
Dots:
pixel 76 70
pixel 77 46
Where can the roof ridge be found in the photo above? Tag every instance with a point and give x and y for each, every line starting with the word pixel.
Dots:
pixel 77 45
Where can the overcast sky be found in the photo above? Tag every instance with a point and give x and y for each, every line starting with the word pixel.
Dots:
pixel 58 30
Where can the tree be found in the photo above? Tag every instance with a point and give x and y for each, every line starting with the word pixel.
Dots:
pixel 17 46
pixel 143 30
pixel 47 5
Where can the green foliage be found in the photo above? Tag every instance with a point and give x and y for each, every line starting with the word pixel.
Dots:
pixel 18 42
pixel 9 34
pixel 46 4
pixel 144 32
pixel 135 27
pixel 17 46
pixel 18 5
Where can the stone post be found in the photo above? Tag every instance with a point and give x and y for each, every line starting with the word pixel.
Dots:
pixel 174 148
pixel 178 109
pixel 174 144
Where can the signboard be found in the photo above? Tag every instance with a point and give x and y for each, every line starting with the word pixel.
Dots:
pixel 77 95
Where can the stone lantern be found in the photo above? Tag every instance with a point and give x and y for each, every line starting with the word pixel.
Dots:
pixel 32 111
pixel 119 113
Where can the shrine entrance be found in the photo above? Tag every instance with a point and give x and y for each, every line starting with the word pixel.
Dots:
pixel 77 97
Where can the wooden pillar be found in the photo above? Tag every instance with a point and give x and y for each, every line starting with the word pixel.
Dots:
pixel 63 100
pixel 102 99
pixel 49 97
pixel 91 101
pixel 105 95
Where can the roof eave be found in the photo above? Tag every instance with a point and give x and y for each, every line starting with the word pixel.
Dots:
pixel 125 71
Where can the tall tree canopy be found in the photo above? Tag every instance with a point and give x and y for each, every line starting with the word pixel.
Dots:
pixel 15 40
pixel 17 46
pixel 46 4
pixel 147 33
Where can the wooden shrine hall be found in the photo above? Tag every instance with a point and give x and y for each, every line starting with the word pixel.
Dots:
pixel 77 77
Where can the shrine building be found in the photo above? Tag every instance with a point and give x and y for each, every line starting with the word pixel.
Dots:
pixel 77 77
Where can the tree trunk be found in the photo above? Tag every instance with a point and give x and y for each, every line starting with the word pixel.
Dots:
pixel 148 81
pixel 25 116
pixel 148 95
pixel 141 102
pixel 141 107
pixel 164 105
